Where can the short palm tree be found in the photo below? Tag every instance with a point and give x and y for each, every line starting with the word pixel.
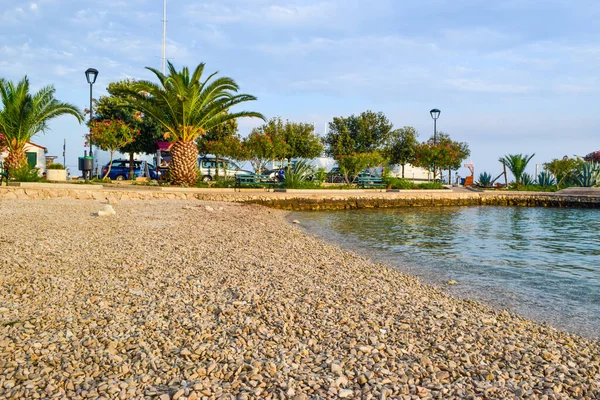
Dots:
pixel 187 107
pixel 516 163
pixel 23 115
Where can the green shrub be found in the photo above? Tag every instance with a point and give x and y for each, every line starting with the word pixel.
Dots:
pixel 297 175
pixel 25 174
pixel 55 166
pixel 401 183
pixel 320 175
pixel 223 183
pixel 430 185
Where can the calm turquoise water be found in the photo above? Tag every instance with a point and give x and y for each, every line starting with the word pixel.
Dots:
pixel 543 263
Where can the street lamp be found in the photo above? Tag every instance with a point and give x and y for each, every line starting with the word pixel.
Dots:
pixel 91 74
pixel 435 114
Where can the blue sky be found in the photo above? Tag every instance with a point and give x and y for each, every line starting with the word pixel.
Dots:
pixel 512 76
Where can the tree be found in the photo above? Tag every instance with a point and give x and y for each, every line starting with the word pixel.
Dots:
pixel 593 156
pixel 365 133
pixel 563 169
pixel 426 155
pixel 187 107
pixel 216 141
pixel 353 164
pixel 23 115
pixel 401 148
pixel 301 139
pixel 111 136
pixel 516 163
pixel 114 107
pixel 260 147
pixel 451 154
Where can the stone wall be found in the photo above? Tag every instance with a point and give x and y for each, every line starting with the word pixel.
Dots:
pixel 307 200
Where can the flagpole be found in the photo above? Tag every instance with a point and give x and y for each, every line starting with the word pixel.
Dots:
pixel 164 39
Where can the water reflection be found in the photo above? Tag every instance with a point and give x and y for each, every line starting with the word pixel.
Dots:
pixel 541 262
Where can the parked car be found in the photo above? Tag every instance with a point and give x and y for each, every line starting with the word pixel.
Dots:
pixel 335 176
pixel 227 168
pixel 120 170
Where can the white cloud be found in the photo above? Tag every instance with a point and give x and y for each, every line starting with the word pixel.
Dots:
pixel 262 11
pixel 479 85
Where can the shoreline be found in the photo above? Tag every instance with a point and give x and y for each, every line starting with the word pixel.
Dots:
pixel 495 295
pixel 194 299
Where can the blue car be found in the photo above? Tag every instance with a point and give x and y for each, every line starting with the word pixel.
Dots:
pixel 120 170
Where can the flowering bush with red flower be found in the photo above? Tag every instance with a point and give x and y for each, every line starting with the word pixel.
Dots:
pixel 593 157
pixel 110 135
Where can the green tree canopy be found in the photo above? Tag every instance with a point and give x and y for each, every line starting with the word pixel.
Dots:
pixel 401 147
pixel 111 135
pixel 451 153
pixel 23 115
pixel 364 133
pixel 563 169
pixel 353 164
pixel 115 107
pixel 221 141
pixel 261 147
pixel 187 106
pixel 516 163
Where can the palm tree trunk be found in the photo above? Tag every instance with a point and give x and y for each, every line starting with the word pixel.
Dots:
pixel 183 167
pixel 15 160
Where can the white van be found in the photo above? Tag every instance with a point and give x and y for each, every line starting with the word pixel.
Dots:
pixel 208 171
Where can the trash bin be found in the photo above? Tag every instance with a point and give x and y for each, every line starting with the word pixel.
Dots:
pixel 86 163
pixel 462 181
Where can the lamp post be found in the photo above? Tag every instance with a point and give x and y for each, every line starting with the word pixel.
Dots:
pixel 91 74
pixel 435 114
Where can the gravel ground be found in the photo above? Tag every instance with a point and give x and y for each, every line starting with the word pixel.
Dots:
pixel 189 299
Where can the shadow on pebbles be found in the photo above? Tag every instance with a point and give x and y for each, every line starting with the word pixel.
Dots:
pixel 196 300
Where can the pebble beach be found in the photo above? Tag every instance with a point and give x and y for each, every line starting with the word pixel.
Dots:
pixel 189 299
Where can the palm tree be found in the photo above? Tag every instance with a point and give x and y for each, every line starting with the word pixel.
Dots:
pixel 516 163
pixel 23 115
pixel 187 108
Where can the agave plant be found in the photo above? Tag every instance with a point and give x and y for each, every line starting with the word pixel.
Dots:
pixel 527 179
pixel 516 163
pixel 545 179
pixel 588 175
pixel 298 173
pixel 485 179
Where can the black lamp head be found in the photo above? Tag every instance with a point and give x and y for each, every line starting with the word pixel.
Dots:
pixel 91 74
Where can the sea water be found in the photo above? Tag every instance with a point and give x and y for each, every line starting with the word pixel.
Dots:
pixel 542 263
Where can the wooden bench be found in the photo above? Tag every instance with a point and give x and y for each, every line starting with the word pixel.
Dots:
pixel 370 181
pixel 3 173
pixel 254 180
